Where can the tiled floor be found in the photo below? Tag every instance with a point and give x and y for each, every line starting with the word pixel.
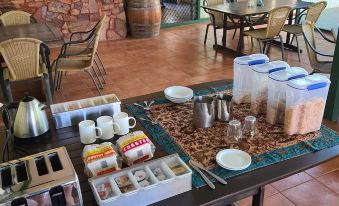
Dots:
pixel 178 57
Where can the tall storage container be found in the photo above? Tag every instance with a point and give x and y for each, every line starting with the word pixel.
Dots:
pixel 242 76
pixel 259 87
pixel 305 104
pixel 277 84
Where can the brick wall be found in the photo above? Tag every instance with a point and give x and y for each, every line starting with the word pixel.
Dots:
pixel 75 15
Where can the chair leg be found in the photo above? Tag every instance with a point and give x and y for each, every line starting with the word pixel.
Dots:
pixel 101 63
pixel 55 80
pixel 282 48
pixel 297 40
pixel 97 76
pixel 215 35
pixel 235 32
pixel 206 33
pixel 48 91
pixel 96 85
pixel 260 47
pixel 60 78
pixel 101 74
pixel 6 89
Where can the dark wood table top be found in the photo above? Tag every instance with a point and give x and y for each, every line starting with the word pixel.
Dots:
pixel 241 9
pixel 238 187
pixel 46 32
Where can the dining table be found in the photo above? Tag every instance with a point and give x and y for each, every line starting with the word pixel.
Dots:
pixel 238 187
pixel 241 11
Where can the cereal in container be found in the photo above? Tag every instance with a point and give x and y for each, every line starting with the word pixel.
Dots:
pixel 277 84
pixel 259 88
pixel 242 81
pixel 305 104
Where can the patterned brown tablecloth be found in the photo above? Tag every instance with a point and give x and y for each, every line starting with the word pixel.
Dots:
pixel 203 144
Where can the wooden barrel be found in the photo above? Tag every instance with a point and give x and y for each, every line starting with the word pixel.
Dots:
pixel 144 17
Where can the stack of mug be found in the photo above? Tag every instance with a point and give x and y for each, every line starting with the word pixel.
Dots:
pixel 106 128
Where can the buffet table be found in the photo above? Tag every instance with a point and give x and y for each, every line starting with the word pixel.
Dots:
pixel 241 186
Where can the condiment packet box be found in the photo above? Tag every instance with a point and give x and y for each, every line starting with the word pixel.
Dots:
pixel 71 113
pixel 100 159
pixel 135 147
pixel 144 184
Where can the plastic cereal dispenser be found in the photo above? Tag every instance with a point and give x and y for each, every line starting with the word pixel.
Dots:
pixel 259 87
pixel 242 76
pixel 305 104
pixel 277 84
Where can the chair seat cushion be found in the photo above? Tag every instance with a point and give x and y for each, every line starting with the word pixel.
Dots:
pixel 70 64
pixel 323 67
pixel 85 54
pixel 293 29
pixel 257 33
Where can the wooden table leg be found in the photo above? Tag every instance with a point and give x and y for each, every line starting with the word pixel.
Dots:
pixel 241 37
pixel 258 199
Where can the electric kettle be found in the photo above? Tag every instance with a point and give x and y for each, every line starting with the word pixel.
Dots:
pixel 30 119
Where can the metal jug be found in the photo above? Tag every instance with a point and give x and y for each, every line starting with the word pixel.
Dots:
pixel 224 107
pixel 203 111
pixel 30 119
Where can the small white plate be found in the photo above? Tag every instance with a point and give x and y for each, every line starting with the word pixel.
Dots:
pixel 233 159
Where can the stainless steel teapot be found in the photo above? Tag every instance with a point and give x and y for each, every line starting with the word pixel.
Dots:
pixel 30 119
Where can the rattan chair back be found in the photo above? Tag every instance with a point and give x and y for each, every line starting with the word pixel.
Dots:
pixel 308 30
pixel 276 21
pixel 15 18
pixel 315 10
pixel 219 17
pixel 97 35
pixel 22 57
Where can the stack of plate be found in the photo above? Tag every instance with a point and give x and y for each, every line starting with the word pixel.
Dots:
pixel 233 159
pixel 178 94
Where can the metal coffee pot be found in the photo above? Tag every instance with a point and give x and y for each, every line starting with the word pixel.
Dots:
pixel 203 111
pixel 224 107
pixel 30 119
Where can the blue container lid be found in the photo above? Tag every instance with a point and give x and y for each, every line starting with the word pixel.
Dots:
pixel 288 74
pixel 252 59
pixel 311 82
pixel 270 67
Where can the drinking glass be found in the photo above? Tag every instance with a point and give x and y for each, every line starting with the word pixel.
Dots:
pixel 234 133
pixel 250 127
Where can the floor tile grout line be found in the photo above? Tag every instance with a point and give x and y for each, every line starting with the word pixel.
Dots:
pixel 327 186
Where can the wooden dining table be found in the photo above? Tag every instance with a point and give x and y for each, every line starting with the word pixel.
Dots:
pixel 46 32
pixel 238 187
pixel 241 11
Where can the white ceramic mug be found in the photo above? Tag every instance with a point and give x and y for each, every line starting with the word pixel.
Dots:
pixel 106 124
pixel 87 130
pixel 122 119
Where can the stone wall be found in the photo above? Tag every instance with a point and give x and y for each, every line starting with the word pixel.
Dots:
pixel 75 15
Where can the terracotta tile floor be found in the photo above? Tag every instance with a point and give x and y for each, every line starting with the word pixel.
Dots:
pixel 178 57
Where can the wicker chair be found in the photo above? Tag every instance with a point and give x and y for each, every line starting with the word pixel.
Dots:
pixel 15 18
pixel 81 59
pixel 217 20
pixel 276 21
pixel 81 48
pixel 312 15
pixel 317 65
pixel 25 61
